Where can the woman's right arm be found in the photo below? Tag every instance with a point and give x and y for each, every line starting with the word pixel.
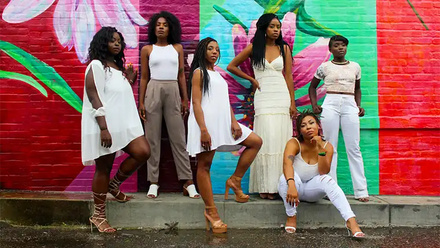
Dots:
pixel 93 96
pixel 145 77
pixel 196 90
pixel 290 152
pixel 289 155
pixel 238 60
pixel 312 95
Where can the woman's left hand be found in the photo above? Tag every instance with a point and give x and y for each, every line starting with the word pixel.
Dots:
pixel 131 74
pixel 361 111
pixel 184 108
pixel 293 111
pixel 317 140
pixel 236 130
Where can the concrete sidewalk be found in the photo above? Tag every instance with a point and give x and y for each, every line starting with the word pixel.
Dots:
pixel 55 208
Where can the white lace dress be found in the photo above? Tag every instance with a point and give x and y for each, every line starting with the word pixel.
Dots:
pixel 273 124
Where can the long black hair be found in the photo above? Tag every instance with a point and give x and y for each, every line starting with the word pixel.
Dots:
pixel 175 31
pixel 99 47
pixel 259 40
pixel 199 61
pixel 300 118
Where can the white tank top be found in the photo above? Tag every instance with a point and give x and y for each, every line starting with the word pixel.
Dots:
pixel 164 63
pixel 305 171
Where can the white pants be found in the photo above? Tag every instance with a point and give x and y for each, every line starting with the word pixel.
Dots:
pixel 342 111
pixel 314 190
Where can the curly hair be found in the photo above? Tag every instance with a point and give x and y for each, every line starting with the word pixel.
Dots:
pixel 259 40
pixel 99 47
pixel 300 118
pixel 175 31
pixel 199 61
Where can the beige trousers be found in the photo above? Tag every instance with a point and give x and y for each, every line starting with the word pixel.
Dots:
pixel 162 99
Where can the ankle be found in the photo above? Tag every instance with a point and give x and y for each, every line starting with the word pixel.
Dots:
pixel 188 183
pixel 212 212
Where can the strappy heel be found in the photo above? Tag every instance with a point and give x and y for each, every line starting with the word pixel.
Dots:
pixel 98 218
pixel 217 225
pixel 290 228
pixel 239 195
pixel 114 187
pixel 356 235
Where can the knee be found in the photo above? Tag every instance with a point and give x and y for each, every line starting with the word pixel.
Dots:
pixel 103 170
pixel 354 149
pixel 258 142
pixel 144 155
pixel 326 180
pixel 203 166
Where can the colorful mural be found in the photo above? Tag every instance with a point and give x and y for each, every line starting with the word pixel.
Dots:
pixel 43 51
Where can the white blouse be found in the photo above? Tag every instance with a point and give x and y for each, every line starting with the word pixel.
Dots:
pixel 339 78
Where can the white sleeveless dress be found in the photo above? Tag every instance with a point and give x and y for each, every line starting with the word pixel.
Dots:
pixel 123 122
pixel 217 112
pixel 273 124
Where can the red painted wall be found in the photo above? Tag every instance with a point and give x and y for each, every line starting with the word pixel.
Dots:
pixel 409 97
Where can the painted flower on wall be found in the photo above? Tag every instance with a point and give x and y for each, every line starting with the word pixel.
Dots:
pixel 74 21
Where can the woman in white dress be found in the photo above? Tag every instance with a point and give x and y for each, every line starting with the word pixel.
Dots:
pixel 274 101
pixel 212 126
pixel 110 121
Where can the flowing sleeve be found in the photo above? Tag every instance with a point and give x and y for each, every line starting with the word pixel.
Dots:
pixel 97 68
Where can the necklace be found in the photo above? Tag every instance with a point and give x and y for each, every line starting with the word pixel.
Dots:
pixel 340 63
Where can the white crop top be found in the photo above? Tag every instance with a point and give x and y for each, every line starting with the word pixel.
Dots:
pixel 164 63
pixel 339 78
pixel 305 171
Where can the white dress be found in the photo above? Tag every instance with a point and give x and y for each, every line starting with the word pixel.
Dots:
pixel 121 114
pixel 273 124
pixel 217 112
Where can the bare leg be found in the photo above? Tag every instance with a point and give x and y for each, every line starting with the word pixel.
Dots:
pixel 100 186
pixel 139 152
pixel 253 144
pixel 204 161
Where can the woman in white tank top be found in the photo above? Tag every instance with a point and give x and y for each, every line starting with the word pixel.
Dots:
pixel 162 70
pixel 306 163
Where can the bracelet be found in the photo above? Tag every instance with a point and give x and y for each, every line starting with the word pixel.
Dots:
pixel 322 154
pixel 287 181
pixel 98 112
pixel 102 129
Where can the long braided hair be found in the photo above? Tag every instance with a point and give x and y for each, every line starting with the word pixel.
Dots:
pixel 259 41
pixel 199 61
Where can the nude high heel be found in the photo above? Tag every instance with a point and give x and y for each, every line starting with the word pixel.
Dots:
pixel 239 195
pixel 217 225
